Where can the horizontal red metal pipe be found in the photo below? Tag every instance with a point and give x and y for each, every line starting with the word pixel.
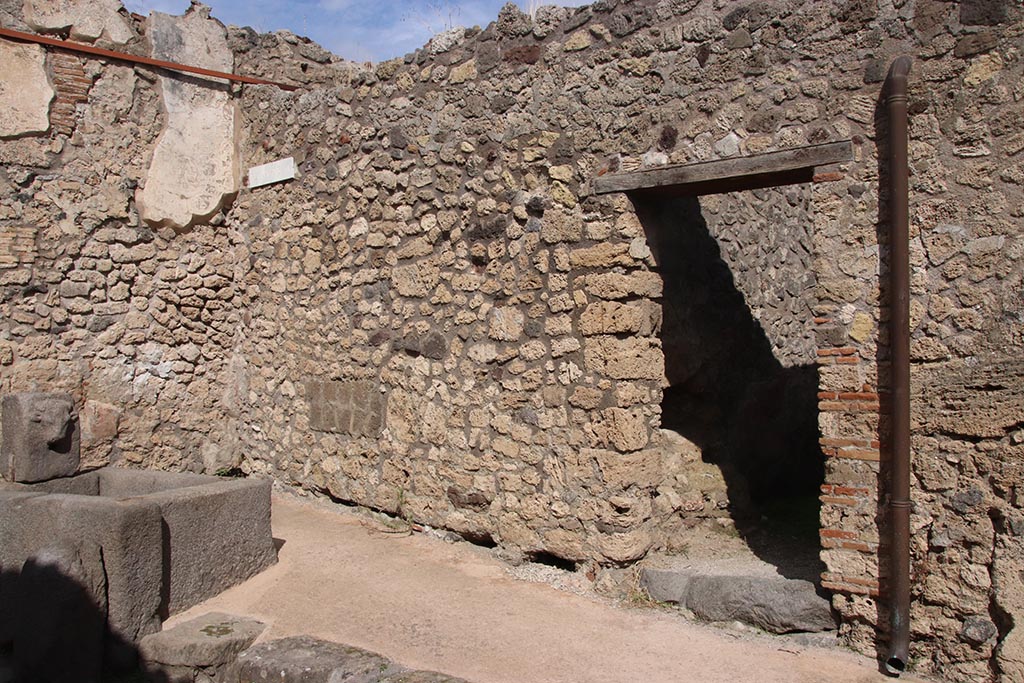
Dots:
pixel 135 59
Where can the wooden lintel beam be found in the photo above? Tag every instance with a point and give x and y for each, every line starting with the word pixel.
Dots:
pixel 726 175
pixel 134 59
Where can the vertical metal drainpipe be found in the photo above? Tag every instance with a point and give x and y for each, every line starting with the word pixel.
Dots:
pixel 899 338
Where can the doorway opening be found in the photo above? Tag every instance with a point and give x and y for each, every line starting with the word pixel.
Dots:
pixel 739 351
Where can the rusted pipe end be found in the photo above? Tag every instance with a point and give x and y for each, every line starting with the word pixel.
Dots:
pixel 898 73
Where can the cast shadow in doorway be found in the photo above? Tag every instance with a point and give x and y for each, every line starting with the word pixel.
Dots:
pixel 753 417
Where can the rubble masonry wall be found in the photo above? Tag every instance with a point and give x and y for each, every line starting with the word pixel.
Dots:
pixel 438 318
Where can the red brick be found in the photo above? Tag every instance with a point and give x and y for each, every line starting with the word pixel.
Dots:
pixel 859 546
pixel 851 491
pixel 827 177
pixel 837 533
pixel 858 396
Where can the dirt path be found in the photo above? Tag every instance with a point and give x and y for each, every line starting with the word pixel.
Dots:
pixel 453 608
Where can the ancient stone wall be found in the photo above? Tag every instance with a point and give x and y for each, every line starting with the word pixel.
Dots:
pixel 439 318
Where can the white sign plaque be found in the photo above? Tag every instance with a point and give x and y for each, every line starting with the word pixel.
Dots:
pixel 274 172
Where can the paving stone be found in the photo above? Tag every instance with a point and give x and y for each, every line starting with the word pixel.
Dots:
pixel 421 677
pixel 304 659
pixel 209 640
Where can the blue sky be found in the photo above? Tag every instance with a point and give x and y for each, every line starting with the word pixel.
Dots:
pixel 355 29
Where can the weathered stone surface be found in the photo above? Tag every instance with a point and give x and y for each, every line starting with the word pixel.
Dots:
pixel 616 318
pixel 195 165
pixel 303 659
pixel 421 677
pixel 630 358
pixel 356 408
pixel 82 21
pixel 619 286
pixel 168 540
pixel 41 437
pixel 665 585
pixel 976 400
pixel 625 430
pixel 506 324
pixel 212 639
pixel 777 605
pixel 25 91
pixel 219 535
pixel 60 614
pixel 128 533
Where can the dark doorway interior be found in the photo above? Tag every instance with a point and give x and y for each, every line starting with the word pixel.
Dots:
pixel 751 414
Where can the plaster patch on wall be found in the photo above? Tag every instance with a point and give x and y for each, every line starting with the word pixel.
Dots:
pixel 86 21
pixel 25 92
pixel 195 163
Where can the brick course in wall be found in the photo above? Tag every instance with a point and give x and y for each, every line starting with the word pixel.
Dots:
pixel 71 85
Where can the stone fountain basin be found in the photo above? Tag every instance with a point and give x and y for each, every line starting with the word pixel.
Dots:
pixel 148 544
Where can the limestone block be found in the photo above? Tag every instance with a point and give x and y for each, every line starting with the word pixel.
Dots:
pixel 25 91
pixel 87 20
pixel 212 639
pixel 506 324
pixel 608 317
pixel 619 286
pixel 40 437
pixel 625 430
pixel 625 547
pixel 630 358
pixel 644 469
pixel 195 165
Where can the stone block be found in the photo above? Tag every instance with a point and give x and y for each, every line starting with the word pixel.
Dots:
pixel 303 659
pixel 199 128
pixel 421 677
pixel 774 604
pixel 610 317
pixel 216 534
pixel 86 21
pixel 60 611
pixel 355 408
pixel 25 91
pixel 168 540
pixel 665 585
pixel 629 358
pixel 211 640
pixel 128 533
pixel 40 437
